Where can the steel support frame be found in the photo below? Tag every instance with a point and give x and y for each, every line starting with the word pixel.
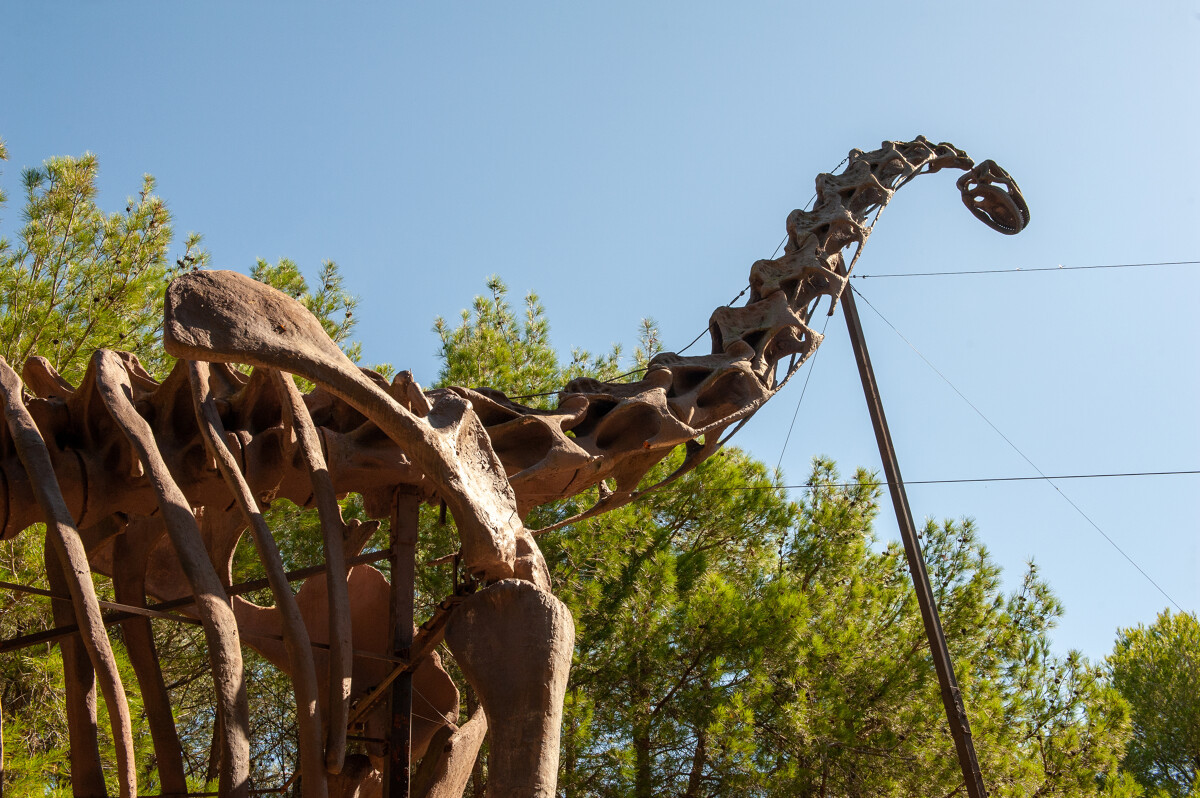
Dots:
pixel 956 713
pixel 404 522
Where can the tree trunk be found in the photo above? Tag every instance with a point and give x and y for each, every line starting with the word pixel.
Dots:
pixel 643 786
pixel 698 760
pixel 570 757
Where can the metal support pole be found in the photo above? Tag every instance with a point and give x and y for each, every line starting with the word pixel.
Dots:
pixel 956 713
pixel 405 517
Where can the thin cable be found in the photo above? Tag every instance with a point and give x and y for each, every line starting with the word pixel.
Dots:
pixel 1059 268
pixel 961 481
pixel 812 364
pixel 556 392
pixel 782 241
pixel 727 304
pixel 692 342
pixel 437 720
pixel 1033 465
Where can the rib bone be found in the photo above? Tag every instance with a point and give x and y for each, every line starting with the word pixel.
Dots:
pixel 226 316
pixel 61 531
pixel 295 636
pixel 341 641
pixel 212 604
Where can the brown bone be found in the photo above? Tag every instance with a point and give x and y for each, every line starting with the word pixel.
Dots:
pixel 131 548
pixel 514 643
pixel 212 604
pixel 334 532
pixel 62 533
pixel 295 635
pixel 228 316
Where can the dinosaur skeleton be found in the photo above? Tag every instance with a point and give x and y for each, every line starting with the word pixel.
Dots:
pixel 154 483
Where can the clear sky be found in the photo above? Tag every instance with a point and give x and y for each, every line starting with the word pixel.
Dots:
pixel 633 159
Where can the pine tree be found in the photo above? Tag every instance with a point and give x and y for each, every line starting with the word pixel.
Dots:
pixel 1157 669
pixel 730 641
pixel 76 279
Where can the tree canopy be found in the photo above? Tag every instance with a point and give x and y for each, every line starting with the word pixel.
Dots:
pixel 731 638
pixel 75 279
pixel 731 641
pixel 1157 669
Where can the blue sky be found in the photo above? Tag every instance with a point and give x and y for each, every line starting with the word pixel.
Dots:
pixel 631 160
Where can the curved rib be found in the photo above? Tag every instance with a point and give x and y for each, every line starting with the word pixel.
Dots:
pixel 212 603
pixel 341 642
pixel 295 634
pixel 62 532
pixel 226 316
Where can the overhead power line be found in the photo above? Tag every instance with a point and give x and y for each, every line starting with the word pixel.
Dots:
pixel 1058 268
pixel 958 481
pixel 1025 457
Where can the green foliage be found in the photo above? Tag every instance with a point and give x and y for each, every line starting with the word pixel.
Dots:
pixel 861 688
pixel 708 665
pixel 732 642
pixel 677 608
pixel 492 348
pixel 1155 668
pixel 78 279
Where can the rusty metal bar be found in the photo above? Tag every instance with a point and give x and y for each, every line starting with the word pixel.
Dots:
pixel 357 652
pixel 264 791
pixel 33 591
pixel 426 640
pixel 405 519
pixel 145 612
pixel 956 713
pixel 49 635
pixel 129 609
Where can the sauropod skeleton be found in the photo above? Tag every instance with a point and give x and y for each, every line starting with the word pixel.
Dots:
pixel 154 484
